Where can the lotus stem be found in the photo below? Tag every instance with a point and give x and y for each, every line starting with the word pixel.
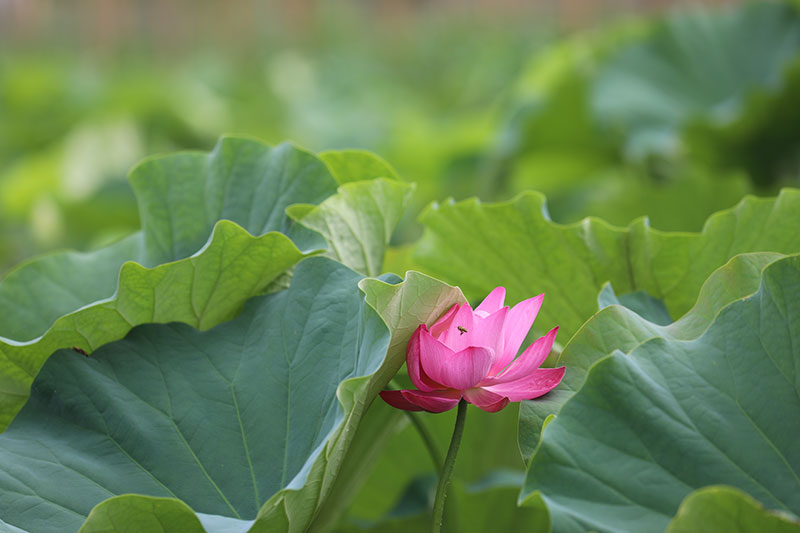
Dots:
pixel 447 468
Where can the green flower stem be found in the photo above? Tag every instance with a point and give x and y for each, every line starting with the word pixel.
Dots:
pixel 447 469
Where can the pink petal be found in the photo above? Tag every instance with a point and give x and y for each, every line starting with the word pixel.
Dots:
pixel 435 401
pixel 486 400
pixel 488 332
pixel 455 370
pixel 540 382
pixel 518 323
pixel 453 336
pixel 493 302
pixel 418 376
pixel 396 399
pixel 531 359
pixel 444 322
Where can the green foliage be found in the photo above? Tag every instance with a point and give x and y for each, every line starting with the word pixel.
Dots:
pixel 673 117
pixel 724 509
pixel 225 419
pixel 172 270
pixel 241 182
pixel 489 504
pixel 202 291
pixel 646 428
pixel 356 165
pixel 231 377
pixel 619 328
pixel 488 445
pixel 181 196
pixel 515 244
pixel 701 66
pixel 135 513
pixel 358 222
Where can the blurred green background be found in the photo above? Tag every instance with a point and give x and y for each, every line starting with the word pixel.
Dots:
pixel 615 109
pixel 618 109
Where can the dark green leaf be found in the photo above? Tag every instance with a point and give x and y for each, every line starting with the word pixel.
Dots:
pixel 222 420
pixel 617 328
pixel 672 416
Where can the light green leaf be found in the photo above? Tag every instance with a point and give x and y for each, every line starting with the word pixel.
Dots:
pixel 648 428
pixel 356 165
pixel 135 514
pixel 721 509
pixel 358 221
pixel 480 246
pixel 420 299
pixel 618 328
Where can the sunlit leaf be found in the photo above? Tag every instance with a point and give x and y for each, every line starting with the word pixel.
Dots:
pixel 722 509
pixel 480 246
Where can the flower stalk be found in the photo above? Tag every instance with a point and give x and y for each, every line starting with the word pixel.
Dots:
pixel 447 467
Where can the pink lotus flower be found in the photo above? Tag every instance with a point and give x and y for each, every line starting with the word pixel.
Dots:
pixel 471 354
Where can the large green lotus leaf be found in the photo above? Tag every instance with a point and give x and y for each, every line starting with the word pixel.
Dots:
pixel 618 328
pixel 44 289
pixel 698 64
pixel 222 420
pixel 480 246
pixel 86 300
pixel 201 290
pixel 38 292
pixel 672 416
pixel 721 509
pixel 181 196
pixel 358 222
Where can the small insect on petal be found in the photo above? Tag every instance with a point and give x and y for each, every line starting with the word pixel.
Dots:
pixel 461 330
